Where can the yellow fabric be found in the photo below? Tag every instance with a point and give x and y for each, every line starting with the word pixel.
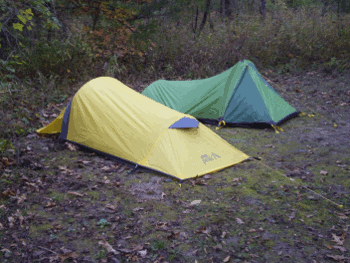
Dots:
pixel 109 117
pixel 54 127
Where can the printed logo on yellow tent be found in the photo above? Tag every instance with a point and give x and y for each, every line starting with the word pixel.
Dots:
pixel 206 158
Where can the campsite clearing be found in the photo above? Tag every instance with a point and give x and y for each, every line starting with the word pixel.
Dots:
pixel 64 203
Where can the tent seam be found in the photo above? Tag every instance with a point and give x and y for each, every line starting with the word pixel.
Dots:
pixel 150 151
pixel 238 82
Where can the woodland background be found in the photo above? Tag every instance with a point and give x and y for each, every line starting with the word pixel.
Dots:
pixel 49 48
pixel 59 203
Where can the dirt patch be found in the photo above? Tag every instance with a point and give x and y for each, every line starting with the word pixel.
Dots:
pixel 151 190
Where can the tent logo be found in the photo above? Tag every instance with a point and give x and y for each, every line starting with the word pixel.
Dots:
pixel 206 158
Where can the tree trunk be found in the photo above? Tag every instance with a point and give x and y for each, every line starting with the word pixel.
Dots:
pixel 194 23
pixel 228 8
pixel 205 16
pixel 234 7
pixel 225 8
pixel 222 9
pixel 263 8
pixel 96 15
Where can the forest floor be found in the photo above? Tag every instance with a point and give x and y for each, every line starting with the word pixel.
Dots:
pixel 63 204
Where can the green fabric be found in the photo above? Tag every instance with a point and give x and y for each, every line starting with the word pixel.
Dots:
pixel 244 108
pixel 206 98
pixel 238 95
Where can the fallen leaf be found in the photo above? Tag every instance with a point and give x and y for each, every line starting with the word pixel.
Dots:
pixel 137 248
pixel 195 202
pixel 223 234
pixel 56 226
pixel 183 235
pixel 71 147
pixel 239 221
pixel 75 193
pixel 323 172
pixel 162 226
pixel 8 192
pixel 111 207
pixel 106 169
pixel 251 230
pixel 5 250
pixel 84 162
pixel 337 257
pixel 218 247
pixel 125 250
pixel 292 216
pixel 342 216
pixel 138 209
pixel 173 235
pixel 337 239
pixel 142 253
pixel 25 179
pixel 342 249
pixel 50 204
pixel 107 246
pixel 207 176
pixel 21 199
pixel 200 182
pixel 63 257
pixel 203 230
pixel 11 221
pixel 117 184
pixel 21 219
pixel 162 197
pixel 226 259
pixel 65 250
pixel 38 253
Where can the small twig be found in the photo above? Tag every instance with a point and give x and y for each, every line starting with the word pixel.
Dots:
pixel 9 91
pixel 43 259
pixel 48 250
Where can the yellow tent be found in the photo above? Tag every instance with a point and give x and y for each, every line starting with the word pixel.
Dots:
pixel 107 116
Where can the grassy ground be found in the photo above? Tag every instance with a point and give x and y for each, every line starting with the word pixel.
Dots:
pixel 69 205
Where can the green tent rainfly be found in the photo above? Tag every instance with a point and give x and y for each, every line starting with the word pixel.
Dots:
pixel 239 96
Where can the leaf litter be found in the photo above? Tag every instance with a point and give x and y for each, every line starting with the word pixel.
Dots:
pixel 60 195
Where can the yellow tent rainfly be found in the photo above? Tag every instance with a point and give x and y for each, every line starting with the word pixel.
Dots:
pixel 109 117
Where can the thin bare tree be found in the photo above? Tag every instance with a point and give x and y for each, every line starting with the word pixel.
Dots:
pixel 263 8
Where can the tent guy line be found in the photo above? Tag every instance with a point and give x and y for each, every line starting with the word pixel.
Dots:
pixel 303 104
pixel 294 181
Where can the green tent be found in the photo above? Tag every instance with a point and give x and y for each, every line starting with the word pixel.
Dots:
pixel 239 97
